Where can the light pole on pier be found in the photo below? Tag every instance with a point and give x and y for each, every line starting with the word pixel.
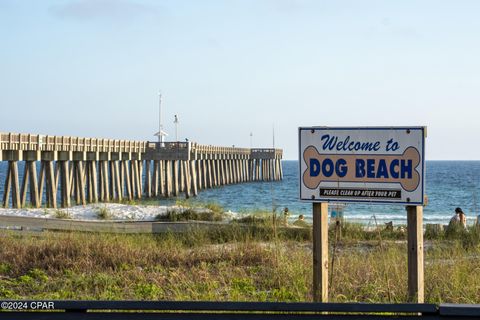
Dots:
pixel 161 134
pixel 273 135
pixel 175 121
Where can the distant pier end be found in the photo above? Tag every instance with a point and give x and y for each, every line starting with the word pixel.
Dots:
pixel 61 170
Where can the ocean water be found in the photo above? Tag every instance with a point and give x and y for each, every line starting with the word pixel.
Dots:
pixel 449 184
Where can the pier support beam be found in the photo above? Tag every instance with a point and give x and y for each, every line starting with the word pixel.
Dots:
pixel 133 179
pixel 139 176
pixel 16 201
pixel 65 183
pixel 88 182
pixel 203 168
pixel 208 174
pixel 74 182
pixel 224 174
pixel 231 177
pixel 111 180
pixel 186 176
pixel 23 191
pixel 250 169
pixel 214 175
pixel 117 181
pixel 128 180
pixel 238 176
pixel 8 187
pixel 194 180
pixel 155 180
pixel 168 178
pixel 218 172
pixel 41 183
pixel 35 200
pixel 161 179
pixel 94 177
pixel 52 184
pixel 176 185
pixel 105 181
pixel 281 169
pixel 80 185
pixel 148 179
pixel 199 176
pixel 182 180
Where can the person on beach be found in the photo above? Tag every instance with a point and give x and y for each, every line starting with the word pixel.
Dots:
pixel 459 219
pixel 286 214
pixel 300 222
pixel 463 219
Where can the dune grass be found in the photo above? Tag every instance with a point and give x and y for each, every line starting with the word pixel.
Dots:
pixel 103 213
pixel 233 262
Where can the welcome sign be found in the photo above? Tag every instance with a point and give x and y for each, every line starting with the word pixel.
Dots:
pixel 366 164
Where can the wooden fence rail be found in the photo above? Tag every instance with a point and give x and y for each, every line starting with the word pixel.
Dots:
pixel 53 224
pixel 113 310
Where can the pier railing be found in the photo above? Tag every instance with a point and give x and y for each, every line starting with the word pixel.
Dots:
pixel 38 142
pixel 193 310
pixel 30 142
pixel 168 151
pixel 267 153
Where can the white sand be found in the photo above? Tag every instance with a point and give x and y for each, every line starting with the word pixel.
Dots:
pixel 116 211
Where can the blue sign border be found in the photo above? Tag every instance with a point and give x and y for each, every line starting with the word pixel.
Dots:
pixel 333 200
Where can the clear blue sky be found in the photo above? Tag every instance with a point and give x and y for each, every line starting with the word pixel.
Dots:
pixel 228 68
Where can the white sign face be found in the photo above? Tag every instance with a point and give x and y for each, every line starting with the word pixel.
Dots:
pixel 366 164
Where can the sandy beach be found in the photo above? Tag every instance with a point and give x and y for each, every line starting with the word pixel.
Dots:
pixel 116 211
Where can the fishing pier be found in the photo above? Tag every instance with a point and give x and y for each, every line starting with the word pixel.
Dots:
pixel 61 170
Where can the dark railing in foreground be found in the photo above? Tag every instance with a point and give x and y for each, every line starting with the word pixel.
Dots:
pixel 145 310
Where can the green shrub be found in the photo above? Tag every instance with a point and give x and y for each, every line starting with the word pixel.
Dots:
pixel 103 213
pixel 148 291
pixel 190 214
pixel 5 268
pixel 38 275
pixel 7 293
pixel 214 207
pixel 60 214
pixel 349 231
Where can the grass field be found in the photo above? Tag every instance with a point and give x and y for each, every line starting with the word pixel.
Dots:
pixel 237 263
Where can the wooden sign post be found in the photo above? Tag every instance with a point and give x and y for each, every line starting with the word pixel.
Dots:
pixel 415 254
pixel 320 252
